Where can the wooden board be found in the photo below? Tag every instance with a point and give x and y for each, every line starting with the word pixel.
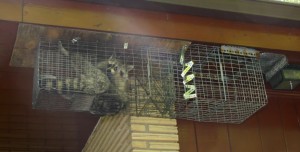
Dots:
pixel 245 137
pixel 291 126
pixel 11 10
pixel 142 22
pixel 161 24
pixel 8 32
pixel 271 129
pixel 29 35
pixel 212 137
pixel 187 136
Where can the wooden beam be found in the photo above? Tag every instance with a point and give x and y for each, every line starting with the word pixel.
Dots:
pixel 258 8
pixel 133 21
pixel 11 10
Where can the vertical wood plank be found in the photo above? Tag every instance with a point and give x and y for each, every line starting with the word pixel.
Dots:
pixel 212 137
pixel 8 32
pixel 245 137
pixel 271 127
pixel 187 136
pixel 291 126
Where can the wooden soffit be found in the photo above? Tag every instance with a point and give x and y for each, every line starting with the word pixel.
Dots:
pixel 158 24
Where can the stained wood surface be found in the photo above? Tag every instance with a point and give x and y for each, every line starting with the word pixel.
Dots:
pixel 246 136
pixel 291 124
pixel 29 35
pixel 159 24
pixel 271 128
pixel 212 137
pixel 275 128
pixel 187 136
pixel 11 10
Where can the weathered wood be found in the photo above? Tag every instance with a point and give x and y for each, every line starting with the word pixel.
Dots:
pixel 29 35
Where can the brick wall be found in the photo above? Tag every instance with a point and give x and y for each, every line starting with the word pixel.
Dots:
pixel 134 134
pixel 154 134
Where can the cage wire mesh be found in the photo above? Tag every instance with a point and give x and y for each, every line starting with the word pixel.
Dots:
pixel 104 78
pixel 272 63
pixel 219 87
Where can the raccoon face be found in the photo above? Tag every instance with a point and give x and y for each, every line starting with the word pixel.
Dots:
pixel 117 67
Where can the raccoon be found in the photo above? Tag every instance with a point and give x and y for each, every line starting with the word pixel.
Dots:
pixel 78 82
pixel 116 98
pixel 119 77
pixel 92 80
pixel 106 104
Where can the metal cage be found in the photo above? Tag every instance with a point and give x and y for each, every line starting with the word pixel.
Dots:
pixel 104 78
pixel 219 86
pixel 203 83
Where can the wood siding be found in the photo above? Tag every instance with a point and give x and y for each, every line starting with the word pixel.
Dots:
pixel 275 128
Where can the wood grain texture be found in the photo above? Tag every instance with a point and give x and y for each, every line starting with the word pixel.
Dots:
pixel 291 127
pixel 8 32
pixel 275 128
pixel 212 137
pixel 11 10
pixel 271 128
pixel 159 24
pixel 246 136
pixel 187 136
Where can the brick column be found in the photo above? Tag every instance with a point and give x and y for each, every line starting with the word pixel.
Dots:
pixel 124 133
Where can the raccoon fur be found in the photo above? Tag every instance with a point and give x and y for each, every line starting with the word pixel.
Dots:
pixel 116 98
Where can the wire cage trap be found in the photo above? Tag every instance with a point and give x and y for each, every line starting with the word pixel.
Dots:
pixel 215 84
pixel 104 78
